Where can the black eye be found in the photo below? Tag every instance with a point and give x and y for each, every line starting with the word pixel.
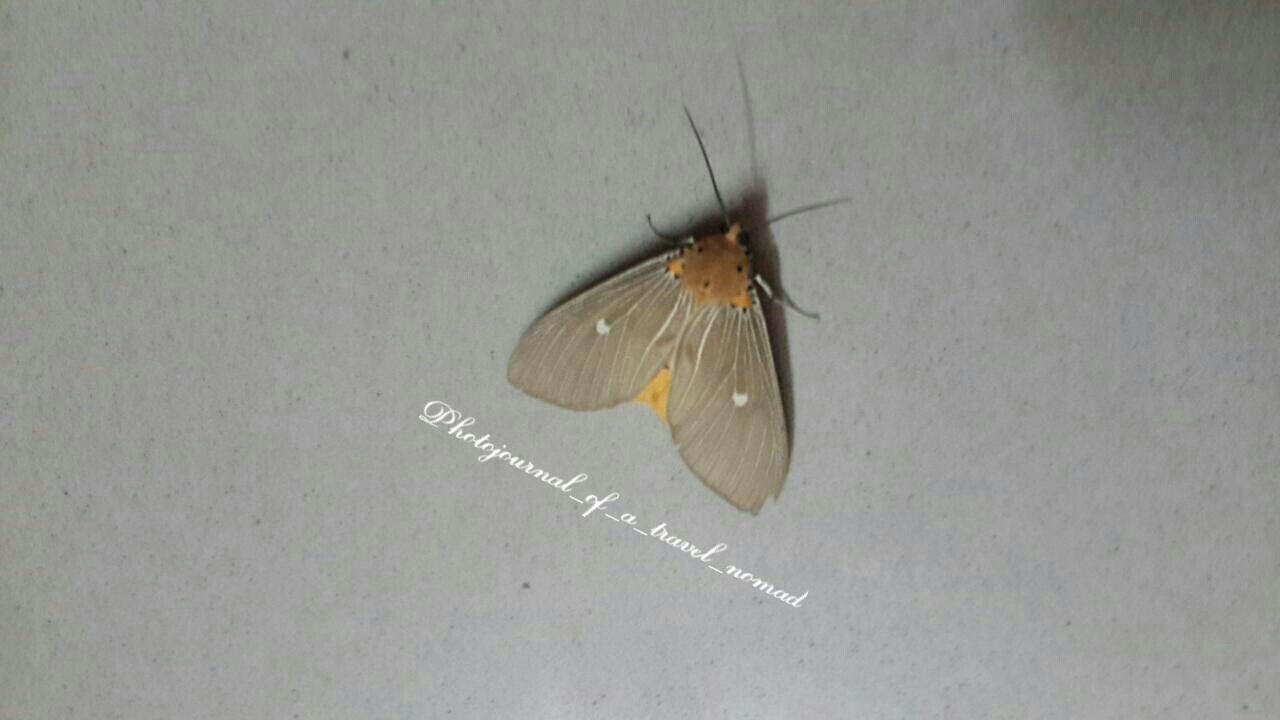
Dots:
pixel 739 268
pixel 706 284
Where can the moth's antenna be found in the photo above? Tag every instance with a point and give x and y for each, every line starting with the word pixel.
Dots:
pixel 804 209
pixel 751 123
pixel 782 298
pixel 707 160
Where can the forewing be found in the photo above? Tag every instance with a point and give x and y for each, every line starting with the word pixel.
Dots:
pixel 601 348
pixel 725 406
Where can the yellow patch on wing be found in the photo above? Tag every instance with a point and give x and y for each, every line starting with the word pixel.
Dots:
pixel 656 393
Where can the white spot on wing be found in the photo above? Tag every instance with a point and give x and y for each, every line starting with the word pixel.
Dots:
pixel 602 327
pixel 739 399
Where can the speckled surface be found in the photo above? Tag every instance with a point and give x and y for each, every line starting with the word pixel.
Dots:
pixel 1036 470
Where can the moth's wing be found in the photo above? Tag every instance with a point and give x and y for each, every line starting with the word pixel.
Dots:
pixel 602 347
pixel 725 407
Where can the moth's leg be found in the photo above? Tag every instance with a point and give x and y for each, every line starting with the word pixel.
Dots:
pixel 669 238
pixel 782 298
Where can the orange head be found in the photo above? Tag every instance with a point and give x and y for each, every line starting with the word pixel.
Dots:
pixel 716 269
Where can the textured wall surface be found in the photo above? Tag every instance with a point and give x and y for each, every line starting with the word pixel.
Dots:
pixel 1036 463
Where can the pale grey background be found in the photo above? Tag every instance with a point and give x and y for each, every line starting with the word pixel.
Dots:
pixel 1035 459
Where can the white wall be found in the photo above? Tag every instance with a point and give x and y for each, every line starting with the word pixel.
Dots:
pixel 1035 460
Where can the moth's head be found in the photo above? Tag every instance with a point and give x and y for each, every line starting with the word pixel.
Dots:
pixel 716 269
pixel 737 235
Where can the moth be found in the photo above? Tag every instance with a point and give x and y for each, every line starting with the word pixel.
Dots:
pixel 682 332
